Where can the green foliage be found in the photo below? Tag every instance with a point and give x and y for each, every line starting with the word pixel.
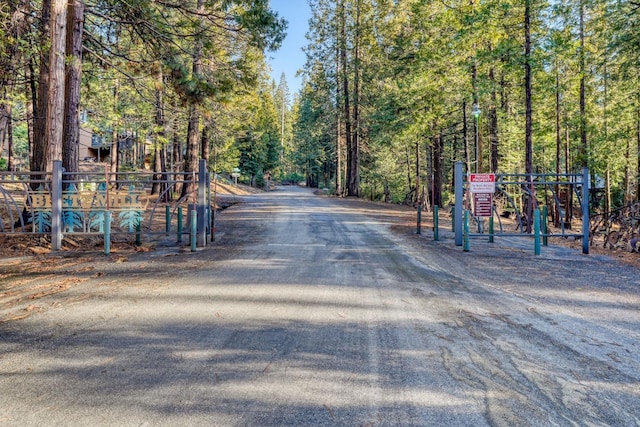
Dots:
pixel 260 181
pixel 412 68
pixel 421 65
pixel 146 63
pixel 21 140
pixel 291 178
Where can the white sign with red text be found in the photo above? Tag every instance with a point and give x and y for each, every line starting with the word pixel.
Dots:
pixel 482 183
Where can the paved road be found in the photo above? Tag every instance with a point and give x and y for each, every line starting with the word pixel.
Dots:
pixel 307 311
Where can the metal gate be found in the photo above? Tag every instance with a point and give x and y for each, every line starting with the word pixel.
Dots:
pixel 528 186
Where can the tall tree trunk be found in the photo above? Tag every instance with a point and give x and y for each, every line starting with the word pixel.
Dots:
pixel 5 116
pixel 528 113
pixel 345 96
pixel 417 199
pixel 177 158
pixel 157 186
pixel 339 141
pixel 627 173
pixel 567 165
pixel 408 163
pixel 204 142
pixel 339 128
pixel 165 175
pixel 159 134
pixel 584 147
pixel 465 136
pixel 191 155
pixel 605 132
pixel 493 121
pixel 10 60
pixel 427 187
pixel 638 146
pixel 193 128
pixel 438 146
pixel 476 129
pixel 55 104
pixel 10 144
pixel 558 122
pixel 354 164
pixel 454 159
pixel 31 94
pixel 556 217
pixel 5 123
pixel 75 24
pixel 115 145
pixel 38 161
pixel 176 152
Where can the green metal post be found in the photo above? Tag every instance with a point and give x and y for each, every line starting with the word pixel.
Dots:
pixel 107 232
pixel 436 210
pixel 585 211
pixel 167 219
pixel 536 230
pixel 419 222
pixel 465 239
pixel 491 228
pixel 180 224
pixel 545 226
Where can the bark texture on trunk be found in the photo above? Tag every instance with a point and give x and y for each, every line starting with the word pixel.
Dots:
pixel 39 150
pixel 528 115
pixel 193 128
pixel 75 24
pixel 55 102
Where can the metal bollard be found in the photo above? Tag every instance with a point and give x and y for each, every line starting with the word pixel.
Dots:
pixel 107 232
pixel 194 230
pixel 436 213
pixel 179 224
pixel 419 224
pixel 545 226
pixel 536 230
pixel 167 219
pixel 465 246
pixel 491 228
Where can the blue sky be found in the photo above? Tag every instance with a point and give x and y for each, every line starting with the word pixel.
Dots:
pixel 290 57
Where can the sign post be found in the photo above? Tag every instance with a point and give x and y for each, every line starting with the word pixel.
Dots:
pixel 482 186
pixel 235 174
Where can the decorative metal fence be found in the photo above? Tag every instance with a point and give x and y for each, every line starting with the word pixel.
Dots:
pixel 170 207
pixel 618 228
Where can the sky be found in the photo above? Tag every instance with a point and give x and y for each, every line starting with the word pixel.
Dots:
pixel 290 58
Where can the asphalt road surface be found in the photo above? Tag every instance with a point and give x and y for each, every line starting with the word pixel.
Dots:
pixel 312 311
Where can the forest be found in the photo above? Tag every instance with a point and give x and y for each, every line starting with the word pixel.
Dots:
pixel 398 91
pixel 395 91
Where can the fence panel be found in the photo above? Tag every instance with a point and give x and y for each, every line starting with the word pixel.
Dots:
pixel 143 205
